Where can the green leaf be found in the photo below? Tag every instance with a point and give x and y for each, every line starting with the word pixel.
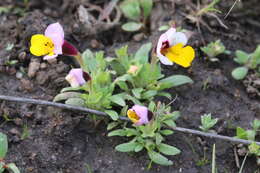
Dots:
pixel 174 81
pixel 149 94
pixel 112 125
pixel 131 9
pixel 152 106
pixel 3 145
pixel 158 138
pixel 256 124
pixel 66 95
pixel 13 168
pixel 173 116
pixel 131 132
pixel 126 147
pixel 146 6
pixel 168 149
pixel 165 94
pixel 241 57
pixel 251 135
pixel 75 102
pixel 159 159
pixel 255 59
pixel 142 55
pixel 239 73
pixel 170 123
pixel 139 147
pixel 132 26
pixel 122 85
pixel 241 133
pixel 118 99
pixel 137 92
pixel 118 132
pixel 72 89
pixel 166 132
pixel 254 148
pixel 113 114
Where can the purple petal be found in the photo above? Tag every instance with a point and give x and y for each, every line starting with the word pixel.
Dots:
pixel 142 112
pixel 56 34
pixel 77 73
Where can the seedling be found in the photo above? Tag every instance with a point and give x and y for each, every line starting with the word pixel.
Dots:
pixel 139 79
pixel 150 136
pixel 3 151
pixel 250 134
pixel 213 49
pixel 248 61
pixel 207 122
pixel 137 12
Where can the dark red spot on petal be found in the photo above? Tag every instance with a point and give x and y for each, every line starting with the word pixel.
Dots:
pixel 150 115
pixel 69 49
pixel 86 76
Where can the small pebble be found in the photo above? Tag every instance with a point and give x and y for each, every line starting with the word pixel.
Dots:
pixel 19 75
pixel 138 37
pixel 34 66
pixel 43 66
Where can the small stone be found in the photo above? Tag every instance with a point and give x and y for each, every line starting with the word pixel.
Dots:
pixel 26 85
pixel 138 37
pixel 34 66
pixel 242 151
pixel 43 66
pixel 52 61
pixel 14 131
pixel 18 121
pixel 42 77
pixel 19 75
pixel 94 43
pixel 12 70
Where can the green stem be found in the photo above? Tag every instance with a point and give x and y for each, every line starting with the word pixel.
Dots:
pixel 80 60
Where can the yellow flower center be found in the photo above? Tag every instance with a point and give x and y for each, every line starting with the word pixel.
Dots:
pixel 41 45
pixel 179 54
pixel 132 116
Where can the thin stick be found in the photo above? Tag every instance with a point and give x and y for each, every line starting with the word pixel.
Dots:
pixel 82 109
pixel 231 9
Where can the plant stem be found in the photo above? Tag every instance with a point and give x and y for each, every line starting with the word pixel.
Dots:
pixel 100 113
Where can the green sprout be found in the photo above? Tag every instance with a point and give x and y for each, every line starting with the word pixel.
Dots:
pixel 3 151
pixel 138 12
pixel 207 122
pixel 150 136
pixel 213 49
pixel 248 61
pixel 250 134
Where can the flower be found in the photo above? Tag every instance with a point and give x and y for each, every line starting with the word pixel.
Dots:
pixel 52 43
pixel 170 48
pixel 77 77
pixel 139 115
pixel 133 69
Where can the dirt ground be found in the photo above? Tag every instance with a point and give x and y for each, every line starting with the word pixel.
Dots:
pixel 62 141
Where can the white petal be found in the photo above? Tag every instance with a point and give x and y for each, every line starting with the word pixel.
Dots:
pixel 50 57
pixel 178 37
pixel 164 60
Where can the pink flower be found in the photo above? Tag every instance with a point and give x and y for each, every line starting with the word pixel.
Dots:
pixel 77 77
pixel 52 43
pixel 139 115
